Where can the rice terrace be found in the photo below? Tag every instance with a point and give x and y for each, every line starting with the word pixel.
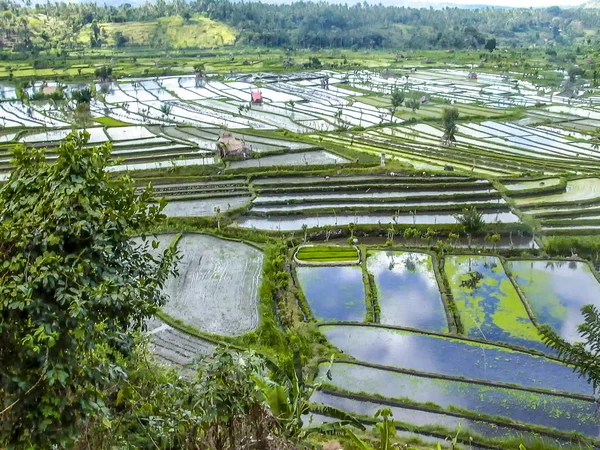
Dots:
pixel 415 246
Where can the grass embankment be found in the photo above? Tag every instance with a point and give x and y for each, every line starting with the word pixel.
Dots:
pixel 327 254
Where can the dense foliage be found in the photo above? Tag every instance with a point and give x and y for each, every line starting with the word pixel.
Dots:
pixel 74 287
pixel 302 24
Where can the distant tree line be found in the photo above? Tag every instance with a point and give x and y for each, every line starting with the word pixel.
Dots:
pixel 313 25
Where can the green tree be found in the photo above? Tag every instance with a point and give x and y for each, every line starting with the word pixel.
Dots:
pixel 575 72
pixel 351 227
pixel 413 103
pixel 305 231
pixel 96 35
pixel 291 104
pixel 120 39
pixel 449 118
pixel 490 44
pixel 74 287
pixel 595 139
pixel 104 73
pixel 81 96
pixel 471 220
pixel 165 109
pixel 397 100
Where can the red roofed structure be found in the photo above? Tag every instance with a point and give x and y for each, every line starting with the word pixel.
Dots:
pixel 256 97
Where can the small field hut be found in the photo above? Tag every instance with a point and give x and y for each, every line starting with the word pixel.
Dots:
pixel 229 146
pixel 256 97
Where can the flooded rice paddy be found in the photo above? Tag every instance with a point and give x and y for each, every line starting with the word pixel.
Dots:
pixel 407 290
pixel 488 304
pixel 556 291
pixel 334 293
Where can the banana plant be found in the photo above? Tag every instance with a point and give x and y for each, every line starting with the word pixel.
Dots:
pixel 289 399
pixel 386 429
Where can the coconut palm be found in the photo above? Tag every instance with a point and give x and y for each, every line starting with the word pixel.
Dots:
pixel 449 118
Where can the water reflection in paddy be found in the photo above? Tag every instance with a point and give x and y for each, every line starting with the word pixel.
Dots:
pixel 407 290
pixel 455 357
pixel 540 409
pixel 334 293
pixel 556 291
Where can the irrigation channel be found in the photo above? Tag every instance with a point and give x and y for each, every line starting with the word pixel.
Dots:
pixel 437 322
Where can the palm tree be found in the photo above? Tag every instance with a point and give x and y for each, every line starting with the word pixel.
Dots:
pixel 397 100
pixel 165 109
pixel 351 227
pixel 583 356
pixel 471 220
pixel 449 118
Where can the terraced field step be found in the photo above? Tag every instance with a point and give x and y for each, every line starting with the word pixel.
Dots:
pixel 176 347
pixel 424 418
pixel 290 223
pixel 204 207
pixel 328 254
pixel 546 410
pixel 361 179
pixel 452 356
pixel 583 190
pixel 200 189
pixel 374 181
pixel 375 195
pixel 453 205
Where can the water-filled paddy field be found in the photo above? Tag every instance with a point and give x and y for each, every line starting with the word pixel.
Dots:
pixel 203 207
pixel 488 304
pixel 217 287
pixel 334 293
pixel 547 410
pixel 367 407
pixel 452 357
pixel 284 223
pixel 556 291
pixel 577 190
pixel 292 159
pixel 273 207
pixel 407 290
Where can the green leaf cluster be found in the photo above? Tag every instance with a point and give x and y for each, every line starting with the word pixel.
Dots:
pixel 74 288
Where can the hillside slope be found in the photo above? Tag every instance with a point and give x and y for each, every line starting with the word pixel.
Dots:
pixel 172 32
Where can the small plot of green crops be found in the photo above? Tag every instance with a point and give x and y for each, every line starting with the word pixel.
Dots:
pixel 109 121
pixel 327 254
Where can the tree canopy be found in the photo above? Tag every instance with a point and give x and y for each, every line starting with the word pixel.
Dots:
pixel 74 288
pixel 304 24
